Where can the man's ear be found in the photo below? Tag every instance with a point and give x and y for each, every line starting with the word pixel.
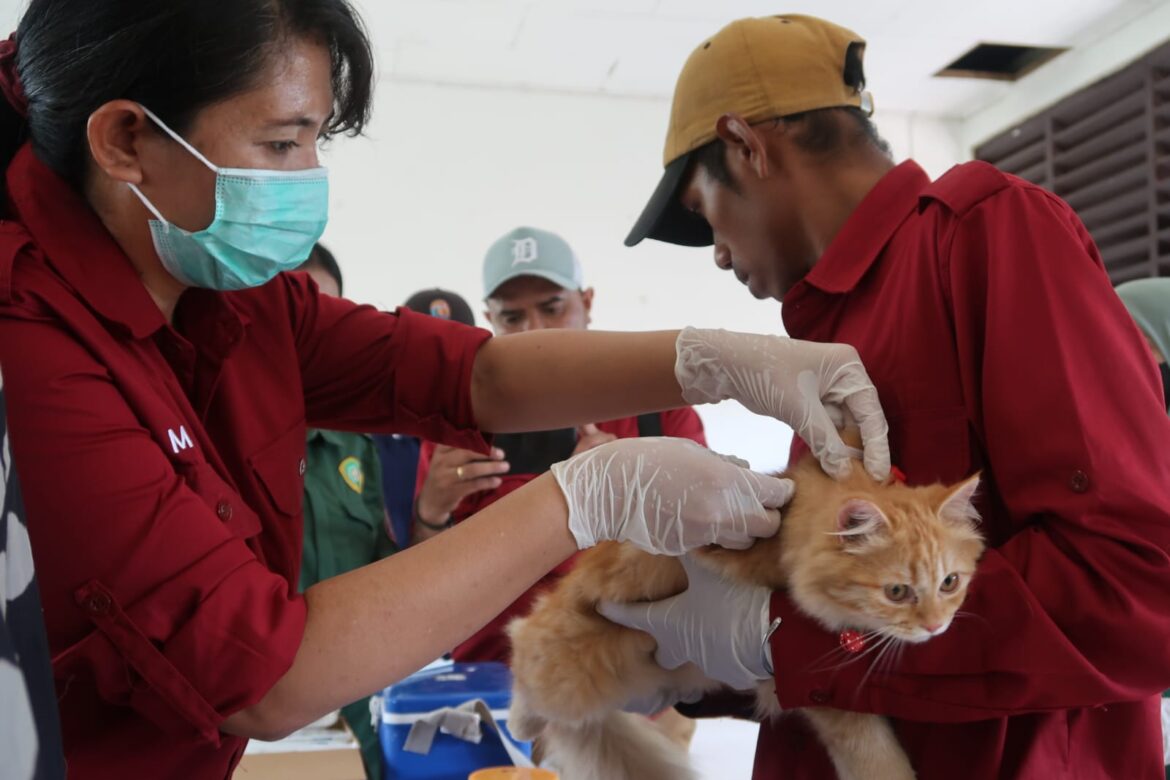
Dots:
pixel 746 149
pixel 587 302
pixel 115 133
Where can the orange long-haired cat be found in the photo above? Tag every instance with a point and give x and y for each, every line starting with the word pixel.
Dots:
pixel 890 561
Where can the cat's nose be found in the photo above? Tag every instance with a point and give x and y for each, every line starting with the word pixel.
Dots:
pixel 933 628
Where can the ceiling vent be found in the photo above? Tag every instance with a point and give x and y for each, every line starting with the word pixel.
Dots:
pixel 999 61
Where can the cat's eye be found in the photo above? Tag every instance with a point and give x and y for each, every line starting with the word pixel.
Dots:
pixel 897 593
pixel 950 584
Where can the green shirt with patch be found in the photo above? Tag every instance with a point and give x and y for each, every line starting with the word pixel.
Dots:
pixel 345 529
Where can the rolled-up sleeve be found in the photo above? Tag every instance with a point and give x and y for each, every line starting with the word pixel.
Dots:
pixel 151 601
pixel 370 371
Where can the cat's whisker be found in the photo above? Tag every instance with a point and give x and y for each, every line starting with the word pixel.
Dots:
pixel 880 648
pixel 847 656
pixel 835 652
pixel 872 648
pixel 975 615
pixel 890 660
pixel 888 642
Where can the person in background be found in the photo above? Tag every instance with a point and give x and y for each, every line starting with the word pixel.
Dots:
pixel 30 732
pixel 398 452
pixel 532 280
pixel 345 518
pixel 1148 302
pixel 981 306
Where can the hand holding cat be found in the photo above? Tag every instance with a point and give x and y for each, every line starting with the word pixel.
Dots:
pixel 815 388
pixel 717 625
pixel 667 496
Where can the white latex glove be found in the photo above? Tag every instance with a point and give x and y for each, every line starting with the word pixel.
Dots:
pixel 812 387
pixel 667 496
pixel 717 625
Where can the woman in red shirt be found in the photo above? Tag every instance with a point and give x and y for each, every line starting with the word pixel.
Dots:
pixel 161 172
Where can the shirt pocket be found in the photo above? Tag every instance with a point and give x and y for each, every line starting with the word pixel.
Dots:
pixel 128 668
pixel 932 445
pixel 280 469
pixel 223 500
pixel 359 512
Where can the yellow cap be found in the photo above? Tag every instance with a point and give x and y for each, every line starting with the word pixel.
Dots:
pixel 759 68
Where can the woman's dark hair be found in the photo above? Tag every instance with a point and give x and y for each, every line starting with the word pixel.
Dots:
pixel 322 258
pixel 820 132
pixel 173 56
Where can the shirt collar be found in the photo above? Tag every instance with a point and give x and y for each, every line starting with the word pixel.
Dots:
pixel 79 247
pixel 868 229
pixel 211 321
pixel 336 438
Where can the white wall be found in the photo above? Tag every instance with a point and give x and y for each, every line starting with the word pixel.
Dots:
pixel 444 171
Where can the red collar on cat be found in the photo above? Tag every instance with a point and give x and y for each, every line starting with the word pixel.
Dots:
pixel 854 641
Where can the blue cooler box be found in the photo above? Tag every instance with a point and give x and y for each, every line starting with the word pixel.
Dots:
pixel 423 702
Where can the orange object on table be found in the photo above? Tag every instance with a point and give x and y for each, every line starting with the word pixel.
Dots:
pixel 513 773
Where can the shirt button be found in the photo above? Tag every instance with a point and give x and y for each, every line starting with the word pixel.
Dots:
pixel 98 603
pixel 1079 482
pixel 301 467
pixel 819 697
pixel 224 510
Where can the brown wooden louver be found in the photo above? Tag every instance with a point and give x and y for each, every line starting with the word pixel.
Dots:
pixel 1106 150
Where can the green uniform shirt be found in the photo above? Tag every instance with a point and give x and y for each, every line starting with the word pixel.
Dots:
pixel 345 528
pixel 345 519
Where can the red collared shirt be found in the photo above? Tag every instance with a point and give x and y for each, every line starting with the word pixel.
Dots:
pixel 163 470
pixel 490 643
pixel 982 311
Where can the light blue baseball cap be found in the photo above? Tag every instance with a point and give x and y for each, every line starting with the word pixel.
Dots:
pixel 528 251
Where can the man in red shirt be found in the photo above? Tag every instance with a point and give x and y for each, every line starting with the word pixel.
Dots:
pixel 981 307
pixel 533 280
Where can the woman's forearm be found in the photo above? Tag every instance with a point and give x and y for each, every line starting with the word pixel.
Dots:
pixel 559 378
pixel 373 626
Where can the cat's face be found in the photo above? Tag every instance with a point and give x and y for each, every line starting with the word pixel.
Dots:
pixel 901 560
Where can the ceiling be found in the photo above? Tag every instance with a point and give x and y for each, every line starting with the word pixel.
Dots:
pixel 636 47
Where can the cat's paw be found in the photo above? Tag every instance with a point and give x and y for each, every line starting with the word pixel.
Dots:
pixel 524 724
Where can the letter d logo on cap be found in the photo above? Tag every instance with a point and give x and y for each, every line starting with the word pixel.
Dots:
pixel 523 251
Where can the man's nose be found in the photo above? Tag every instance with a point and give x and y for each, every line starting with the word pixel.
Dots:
pixel 722 257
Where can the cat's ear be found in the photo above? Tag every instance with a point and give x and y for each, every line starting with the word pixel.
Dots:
pixel 859 522
pixel 958 506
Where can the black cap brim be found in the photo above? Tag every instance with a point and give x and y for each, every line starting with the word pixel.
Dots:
pixel 665 219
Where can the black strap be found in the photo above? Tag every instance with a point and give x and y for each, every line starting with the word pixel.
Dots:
pixel 650 424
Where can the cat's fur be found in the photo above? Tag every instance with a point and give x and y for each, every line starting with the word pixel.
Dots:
pixel 840 545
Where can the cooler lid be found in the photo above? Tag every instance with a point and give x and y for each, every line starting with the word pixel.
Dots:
pixel 450 685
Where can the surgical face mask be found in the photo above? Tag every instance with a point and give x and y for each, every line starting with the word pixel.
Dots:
pixel 265 222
